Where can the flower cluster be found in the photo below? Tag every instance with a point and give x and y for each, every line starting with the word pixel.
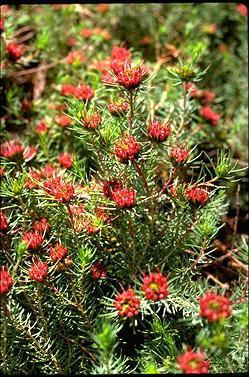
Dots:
pixel 208 114
pixel 58 252
pixel 178 155
pixel 3 221
pixel 92 120
pixel 42 226
pixel 64 121
pixel 39 271
pixel 214 307
pixel 158 131
pixel 12 149
pixel 75 57
pixel 48 171
pixel 82 91
pixel 66 160
pixel 126 149
pixel 6 281
pixel 59 189
pixel 155 286
pixel 196 195
pixel 118 108
pixel 42 127
pixel 124 197
pixel 127 303
pixel 110 186
pixel 33 239
pixel 129 76
pixel 98 271
pixel 193 362
pixel 15 51
pixel 32 180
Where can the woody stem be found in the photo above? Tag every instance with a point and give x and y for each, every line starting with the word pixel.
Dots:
pixel 141 174
pixel 131 108
pixel 168 181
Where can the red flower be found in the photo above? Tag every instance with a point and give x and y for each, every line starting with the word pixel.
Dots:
pixel 92 120
pixel 6 281
pixel 12 149
pixel 3 221
pixel 242 9
pixel 214 307
pixel 86 33
pixel 158 131
pixel 39 271
pixel 120 53
pixel 103 8
pixel 118 108
pixel 29 153
pixel 64 121
pixel 208 96
pixel 155 286
pixel 48 171
pixel 14 50
pixel 33 239
pixel 42 127
pixel 110 186
pixel 128 76
pixel 75 57
pixel 127 303
pixel 42 226
pixel 208 114
pixel 32 179
pixel 1 24
pixel 126 149
pixel 84 92
pixel 178 155
pixel 59 189
pixel 67 90
pixel 193 362
pixel 71 41
pixel 107 78
pixel 66 160
pixel 98 271
pixel 58 252
pixel 196 195
pixel 124 198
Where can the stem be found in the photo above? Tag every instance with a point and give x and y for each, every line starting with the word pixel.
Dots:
pixel 131 108
pixel 4 337
pixel 41 311
pixel 141 174
pixel 168 181
pixel 72 222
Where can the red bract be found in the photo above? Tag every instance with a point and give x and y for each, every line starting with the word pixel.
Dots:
pixel 15 51
pixel 120 53
pixel 126 149
pixel 67 90
pixel 124 198
pixel 127 304
pixel 214 307
pixel 48 171
pixel 98 271
pixel 42 226
pixel 32 239
pixel 58 252
pixel 75 57
pixel 155 286
pixel 196 195
pixel 91 120
pixel 1 24
pixel 110 186
pixel 39 271
pixel 178 155
pixel 32 179
pixel 59 189
pixel 193 362
pixel 242 9
pixel 12 150
pixel 3 221
pixel 29 153
pixel 118 108
pixel 158 131
pixel 208 114
pixel 6 281
pixel 64 121
pixel 128 76
pixel 66 160
pixel 84 92
pixel 42 127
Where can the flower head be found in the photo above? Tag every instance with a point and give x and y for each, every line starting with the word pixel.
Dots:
pixel 64 121
pixel 127 148
pixel 124 197
pixel 129 76
pixel 6 281
pixel 155 286
pixel 42 127
pixel 39 271
pixel 214 307
pixel 127 303
pixel 12 150
pixel 208 114
pixel 15 51
pixel 193 362
pixel 98 271
pixel 75 57
pixel 32 180
pixel 1 24
pixel 66 160
pixel 91 120
pixel 48 171
pixel 110 186
pixel 29 153
pixel 118 108
pixel 58 252
pixel 158 131
pixel 32 239
pixel 3 221
pixel 68 90
pixel 196 195
pixel 59 189
pixel 84 92
pixel 178 155
pixel 42 226
pixel 242 9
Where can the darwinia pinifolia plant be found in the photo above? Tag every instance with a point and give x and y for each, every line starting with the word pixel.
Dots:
pixel 121 244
